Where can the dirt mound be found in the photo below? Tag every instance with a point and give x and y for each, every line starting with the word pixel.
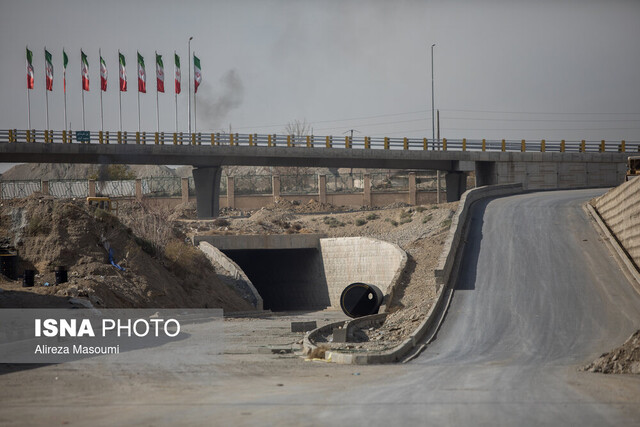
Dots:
pixel 53 171
pixel 49 233
pixel 623 360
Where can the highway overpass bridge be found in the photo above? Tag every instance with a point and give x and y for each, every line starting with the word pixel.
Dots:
pixel 537 164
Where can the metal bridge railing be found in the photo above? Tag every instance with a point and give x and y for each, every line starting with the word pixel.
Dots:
pixel 311 141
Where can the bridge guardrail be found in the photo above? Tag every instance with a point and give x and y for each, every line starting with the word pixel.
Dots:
pixel 312 141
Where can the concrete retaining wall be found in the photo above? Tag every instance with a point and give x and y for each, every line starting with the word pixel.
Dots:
pixel 241 282
pixel 560 175
pixel 620 210
pixel 360 259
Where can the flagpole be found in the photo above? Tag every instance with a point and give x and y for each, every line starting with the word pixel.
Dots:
pixel 174 88
pixel 82 74
pixel 46 91
pixel 157 106
pixel 28 108
pixel 101 110
pixel 64 87
pixel 28 96
pixel 189 78
pixel 138 109
pixel 119 91
pixel 195 115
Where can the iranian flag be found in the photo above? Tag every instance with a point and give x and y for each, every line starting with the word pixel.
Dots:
pixel 85 71
pixel 65 61
pixel 177 58
pixel 103 75
pixel 142 77
pixel 48 69
pixel 197 74
pixel 123 73
pixel 159 73
pixel 29 69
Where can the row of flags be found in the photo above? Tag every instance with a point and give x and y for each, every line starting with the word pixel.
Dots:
pixel 142 75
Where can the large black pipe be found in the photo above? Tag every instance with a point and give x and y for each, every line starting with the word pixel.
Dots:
pixel 360 299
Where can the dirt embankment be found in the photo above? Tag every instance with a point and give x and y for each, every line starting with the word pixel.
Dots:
pixel 49 233
pixel 623 360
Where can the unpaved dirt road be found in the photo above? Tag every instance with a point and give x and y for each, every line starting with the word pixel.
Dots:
pixel 539 295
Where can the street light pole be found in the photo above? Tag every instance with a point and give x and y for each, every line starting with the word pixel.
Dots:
pixel 433 127
pixel 189 78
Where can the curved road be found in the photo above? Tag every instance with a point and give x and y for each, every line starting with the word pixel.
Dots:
pixel 539 294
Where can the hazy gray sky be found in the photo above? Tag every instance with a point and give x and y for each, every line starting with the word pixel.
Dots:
pixel 503 69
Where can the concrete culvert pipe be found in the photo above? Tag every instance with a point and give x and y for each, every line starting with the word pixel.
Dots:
pixel 360 299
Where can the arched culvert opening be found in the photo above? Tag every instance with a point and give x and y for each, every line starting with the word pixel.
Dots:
pixel 286 279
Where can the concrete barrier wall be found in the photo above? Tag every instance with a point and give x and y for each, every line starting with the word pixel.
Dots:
pixel 620 210
pixel 560 175
pixel 241 282
pixel 360 259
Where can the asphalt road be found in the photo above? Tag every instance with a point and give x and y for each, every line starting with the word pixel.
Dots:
pixel 539 295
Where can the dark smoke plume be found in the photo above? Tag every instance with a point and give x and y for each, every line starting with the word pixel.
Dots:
pixel 215 103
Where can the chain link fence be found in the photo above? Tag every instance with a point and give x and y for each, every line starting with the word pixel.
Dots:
pixel 351 183
pixel 253 184
pixel 298 184
pixel 19 189
pixel 67 188
pixel 124 188
pixel 384 181
pixel 162 187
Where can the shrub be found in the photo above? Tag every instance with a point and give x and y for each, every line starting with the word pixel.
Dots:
pixel 372 217
pixel 145 245
pixel 426 219
pixel 185 259
pixel 394 223
pixel 446 223
pixel 220 222
pixel 332 222
pixel 420 209
pixel 360 222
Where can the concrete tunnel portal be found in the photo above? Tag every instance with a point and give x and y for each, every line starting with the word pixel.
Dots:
pixel 286 279
pixel 289 272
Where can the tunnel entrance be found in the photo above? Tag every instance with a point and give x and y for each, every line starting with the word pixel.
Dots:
pixel 286 279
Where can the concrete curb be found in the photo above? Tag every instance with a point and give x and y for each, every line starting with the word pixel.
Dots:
pixel 621 253
pixel 446 274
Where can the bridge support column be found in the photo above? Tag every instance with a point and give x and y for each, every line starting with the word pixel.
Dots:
pixel 207 181
pixel 486 174
pixel 456 185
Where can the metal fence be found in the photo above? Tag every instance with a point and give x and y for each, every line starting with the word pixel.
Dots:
pixel 381 182
pixel 253 184
pixel 167 186
pixel 351 183
pixel 19 189
pixel 123 188
pixel 66 189
pixel 298 184
pixel 313 141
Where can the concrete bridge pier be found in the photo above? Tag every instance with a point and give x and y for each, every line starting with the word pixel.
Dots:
pixel 456 185
pixel 207 181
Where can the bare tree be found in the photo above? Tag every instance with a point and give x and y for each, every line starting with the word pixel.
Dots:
pixel 298 129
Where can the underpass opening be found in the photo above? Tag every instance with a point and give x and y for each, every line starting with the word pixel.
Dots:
pixel 286 279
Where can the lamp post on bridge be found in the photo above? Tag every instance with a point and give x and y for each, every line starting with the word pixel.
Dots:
pixel 189 78
pixel 433 128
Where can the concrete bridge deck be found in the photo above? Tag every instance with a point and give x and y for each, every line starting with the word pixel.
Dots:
pixel 539 165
